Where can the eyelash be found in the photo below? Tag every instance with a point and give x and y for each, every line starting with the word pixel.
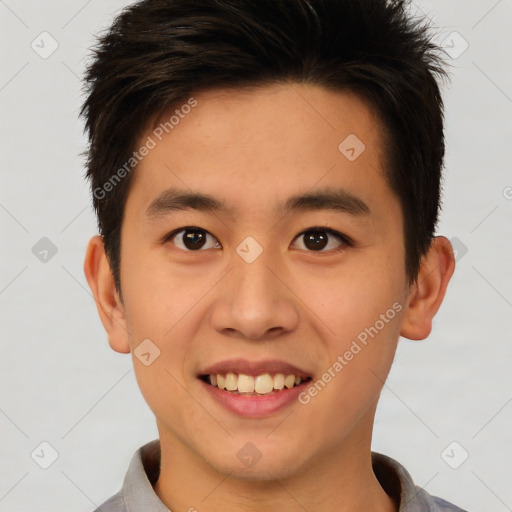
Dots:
pixel 346 241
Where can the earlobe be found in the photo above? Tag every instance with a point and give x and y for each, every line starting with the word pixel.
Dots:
pixel 427 293
pixel 108 302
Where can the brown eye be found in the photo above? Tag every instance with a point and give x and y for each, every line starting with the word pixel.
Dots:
pixel 315 240
pixel 193 239
pixel 318 239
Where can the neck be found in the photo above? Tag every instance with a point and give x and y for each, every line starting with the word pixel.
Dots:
pixel 341 479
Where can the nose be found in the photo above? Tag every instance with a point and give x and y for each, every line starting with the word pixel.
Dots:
pixel 254 301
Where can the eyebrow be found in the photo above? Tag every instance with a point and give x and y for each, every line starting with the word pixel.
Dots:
pixel 326 199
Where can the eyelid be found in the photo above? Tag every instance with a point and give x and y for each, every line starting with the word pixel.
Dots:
pixel 327 229
pixel 346 241
pixel 168 237
pixel 174 232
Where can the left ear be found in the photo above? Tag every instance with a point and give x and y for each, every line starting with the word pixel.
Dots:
pixel 427 292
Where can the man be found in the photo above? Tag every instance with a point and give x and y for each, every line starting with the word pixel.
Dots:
pixel 266 179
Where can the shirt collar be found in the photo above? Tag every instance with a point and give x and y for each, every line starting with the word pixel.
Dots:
pixel 398 483
pixel 137 491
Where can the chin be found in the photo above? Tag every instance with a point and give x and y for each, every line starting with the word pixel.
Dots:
pixel 251 464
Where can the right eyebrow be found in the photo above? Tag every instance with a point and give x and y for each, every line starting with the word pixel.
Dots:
pixel 175 199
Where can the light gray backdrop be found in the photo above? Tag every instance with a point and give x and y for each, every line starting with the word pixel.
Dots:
pixel 447 398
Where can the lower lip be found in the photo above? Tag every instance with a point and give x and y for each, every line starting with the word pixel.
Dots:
pixel 255 406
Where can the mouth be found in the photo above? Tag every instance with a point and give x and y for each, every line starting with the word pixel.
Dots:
pixel 254 389
pixel 249 385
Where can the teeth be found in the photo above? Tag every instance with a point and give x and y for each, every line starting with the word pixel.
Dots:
pixel 278 381
pixel 262 384
pixel 231 381
pixel 245 383
pixel 289 381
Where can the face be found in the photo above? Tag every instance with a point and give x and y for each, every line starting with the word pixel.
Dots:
pixel 293 264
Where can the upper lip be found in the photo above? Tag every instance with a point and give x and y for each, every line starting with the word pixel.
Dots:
pixel 254 368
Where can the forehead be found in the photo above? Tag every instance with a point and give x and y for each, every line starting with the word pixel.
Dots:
pixel 257 147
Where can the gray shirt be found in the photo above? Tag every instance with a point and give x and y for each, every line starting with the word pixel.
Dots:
pixel 137 494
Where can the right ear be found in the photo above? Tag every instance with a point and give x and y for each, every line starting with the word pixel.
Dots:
pixel 110 306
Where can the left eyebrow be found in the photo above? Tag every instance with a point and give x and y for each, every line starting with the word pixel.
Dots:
pixel 326 199
pixel 340 200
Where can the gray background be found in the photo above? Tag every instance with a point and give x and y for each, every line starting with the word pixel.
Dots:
pixel 61 383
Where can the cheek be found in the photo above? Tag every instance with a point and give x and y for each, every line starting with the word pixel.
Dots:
pixel 360 358
pixel 163 389
pixel 349 301
pixel 158 295
pixel 363 312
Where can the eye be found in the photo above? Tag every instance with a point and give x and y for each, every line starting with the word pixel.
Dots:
pixel 320 239
pixel 316 239
pixel 192 239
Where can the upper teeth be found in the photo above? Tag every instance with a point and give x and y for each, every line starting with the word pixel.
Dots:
pixel 261 384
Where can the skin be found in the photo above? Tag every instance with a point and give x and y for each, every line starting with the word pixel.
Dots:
pixel 253 149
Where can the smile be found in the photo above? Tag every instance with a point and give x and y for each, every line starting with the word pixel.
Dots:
pixel 253 389
pixel 264 384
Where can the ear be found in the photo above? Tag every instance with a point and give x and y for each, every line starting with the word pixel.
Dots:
pixel 427 292
pixel 110 306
